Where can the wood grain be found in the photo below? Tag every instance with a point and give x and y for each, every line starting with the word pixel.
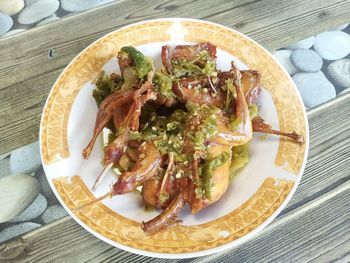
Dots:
pixel 315 226
pixel 27 72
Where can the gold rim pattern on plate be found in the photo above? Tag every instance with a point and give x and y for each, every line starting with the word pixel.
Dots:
pixel 179 238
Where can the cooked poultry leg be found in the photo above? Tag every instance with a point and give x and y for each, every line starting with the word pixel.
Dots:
pixel 259 125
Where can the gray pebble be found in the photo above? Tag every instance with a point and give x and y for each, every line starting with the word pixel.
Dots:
pixel 17 192
pixel 5 167
pixel 6 23
pixel 344 91
pixel 48 20
pixel 26 159
pixel 306 60
pixel 302 44
pixel 81 5
pixel 283 56
pixel 45 188
pixel 33 211
pixel 314 88
pixel 37 11
pixel 14 32
pixel 16 230
pixel 332 45
pixel 339 72
pixel 53 213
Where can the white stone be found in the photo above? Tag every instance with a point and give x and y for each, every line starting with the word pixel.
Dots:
pixel 306 60
pixel 53 213
pixel 11 7
pixel 14 32
pixel 339 72
pixel 37 11
pixel 302 44
pixel 26 159
pixel 283 56
pixel 16 193
pixel 48 20
pixel 17 230
pixel 82 5
pixel 33 211
pixel 332 45
pixel 314 88
pixel 6 23
pixel 5 167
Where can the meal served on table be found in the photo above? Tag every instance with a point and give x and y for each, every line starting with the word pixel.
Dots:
pixel 180 132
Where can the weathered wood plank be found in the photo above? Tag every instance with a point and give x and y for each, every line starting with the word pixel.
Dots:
pixel 27 73
pixel 314 226
pixel 300 236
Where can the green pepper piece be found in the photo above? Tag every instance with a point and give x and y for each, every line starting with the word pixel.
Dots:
pixel 139 60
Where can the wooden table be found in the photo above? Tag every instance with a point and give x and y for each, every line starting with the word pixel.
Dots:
pixel 314 226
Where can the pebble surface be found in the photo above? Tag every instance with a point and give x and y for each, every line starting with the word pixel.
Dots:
pixel 6 23
pixel 16 193
pixel 48 20
pixel 332 45
pixel 283 56
pixel 11 7
pixel 45 188
pixel 306 60
pixel 53 213
pixel 37 11
pixel 314 88
pixel 26 159
pixel 339 72
pixel 14 32
pixel 302 44
pixel 33 211
pixel 81 5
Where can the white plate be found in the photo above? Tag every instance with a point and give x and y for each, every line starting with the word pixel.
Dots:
pixel 254 197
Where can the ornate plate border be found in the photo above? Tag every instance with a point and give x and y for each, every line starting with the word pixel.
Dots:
pixel 179 241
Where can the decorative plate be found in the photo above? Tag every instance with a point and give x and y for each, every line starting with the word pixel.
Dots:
pixel 254 197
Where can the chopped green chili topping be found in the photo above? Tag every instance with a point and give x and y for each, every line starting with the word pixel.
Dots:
pixel 208 170
pixel 166 132
pixel 164 84
pixel 201 65
pixel 207 127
